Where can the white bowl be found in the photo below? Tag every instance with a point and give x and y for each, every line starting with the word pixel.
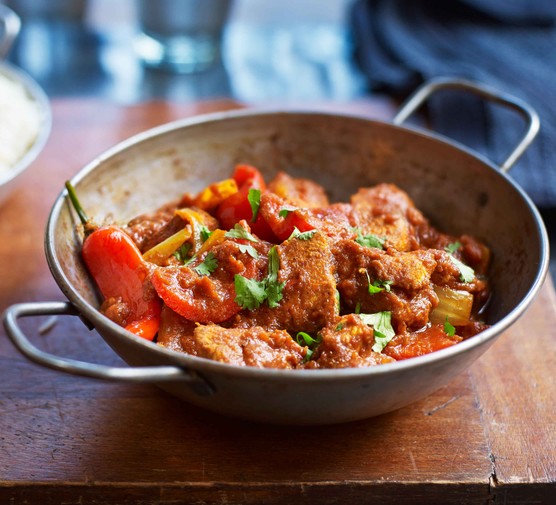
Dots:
pixel 10 178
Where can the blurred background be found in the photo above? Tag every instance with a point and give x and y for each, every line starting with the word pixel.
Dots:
pixel 288 50
pixel 309 52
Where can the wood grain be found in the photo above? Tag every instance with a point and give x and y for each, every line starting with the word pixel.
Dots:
pixel 487 437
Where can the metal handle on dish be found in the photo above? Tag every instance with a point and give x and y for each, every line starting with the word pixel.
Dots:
pixel 12 24
pixel 75 367
pixel 422 94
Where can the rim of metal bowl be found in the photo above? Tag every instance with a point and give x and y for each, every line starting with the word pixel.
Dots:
pixel 41 99
pixel 96 318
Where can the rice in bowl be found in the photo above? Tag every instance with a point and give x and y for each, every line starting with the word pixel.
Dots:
pixel 20 122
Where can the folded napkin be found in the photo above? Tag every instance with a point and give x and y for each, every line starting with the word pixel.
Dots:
pixel 507 44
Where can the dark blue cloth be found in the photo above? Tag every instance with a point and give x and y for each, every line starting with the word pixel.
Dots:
pixel 507 44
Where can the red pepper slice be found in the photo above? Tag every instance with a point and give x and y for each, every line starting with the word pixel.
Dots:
pixel 282 227
pixel 247 174
pixel 237 207
pixel 197 298
pixel 119 270
pixel 204 298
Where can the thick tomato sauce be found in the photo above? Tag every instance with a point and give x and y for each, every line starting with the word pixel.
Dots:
pixel 273 275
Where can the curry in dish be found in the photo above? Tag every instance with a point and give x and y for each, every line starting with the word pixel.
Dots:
pixel 271 274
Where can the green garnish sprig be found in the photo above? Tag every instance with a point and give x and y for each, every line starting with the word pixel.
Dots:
pixel 208 265
pixel 466 273
pixel 382 326
pixel 302 235
pixel 449 328
pixel 369 240
pixel 306 340
pixel 251 294
pixel 239 232
pixel 254 199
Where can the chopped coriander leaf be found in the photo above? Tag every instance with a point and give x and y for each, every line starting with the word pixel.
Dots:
pixel 311 343
pixel 250 294
pixel 274 293
pixel 273 287
pixel 209 265
pixel 369 240
pixel 374 289
pixel 303 338
pixel 273 263
pixel 254 198
pixel 339 326
pixel 182 253
pixel 204 233
pixel 241 233
pixel 378 286
pixel 338 306
pixel 467 274
pixel 285 211
pixel 453 247
pixel 248 249
pixel 382 326
pixel 449 329
pixel 306 235
pixel 358 308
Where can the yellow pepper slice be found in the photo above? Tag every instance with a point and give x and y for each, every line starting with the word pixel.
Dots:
pixel 215 194
pixel 162 251
pixel 216 237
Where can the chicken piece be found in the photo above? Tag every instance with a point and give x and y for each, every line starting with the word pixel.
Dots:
pixel 254 346
pixel 387 211
pixel 298 192
pixel 347 343
pixel 403 281
pixel 336 221
pixel 176 332
pixel 309 295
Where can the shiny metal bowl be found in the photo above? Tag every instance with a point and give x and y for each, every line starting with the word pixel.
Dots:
pixel 459 190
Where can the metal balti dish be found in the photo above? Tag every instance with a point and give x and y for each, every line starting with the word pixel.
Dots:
pixel 9 29
pixel 457 189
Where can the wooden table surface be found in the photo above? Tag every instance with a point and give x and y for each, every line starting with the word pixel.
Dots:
pixel 487 437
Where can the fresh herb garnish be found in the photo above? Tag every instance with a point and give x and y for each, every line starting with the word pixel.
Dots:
pixel 378 286
pixel 369 240
pixel 338 306
pixel 273 287
pixel 311 343
pixel 466 273
pixel 303 338
pixel 284 211
pixel 182 253
pixel 358 308
pixel 204 233
pixel 339 326
pixel 453 247
pixel 241 233
pixel 382 326
pixel 449 329
pixel 254 198
pixel 209 265
pixel 250 294
pixel 305 235
pixel 248 249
